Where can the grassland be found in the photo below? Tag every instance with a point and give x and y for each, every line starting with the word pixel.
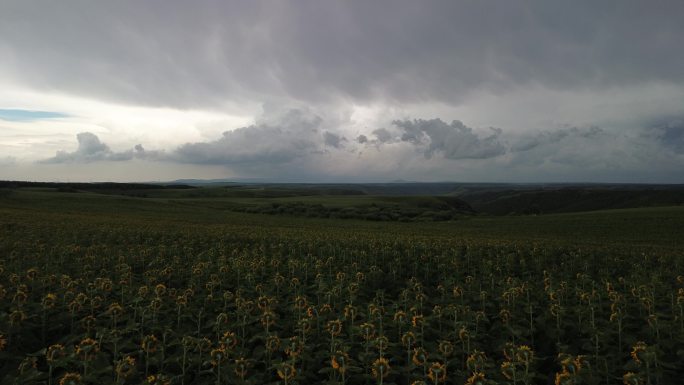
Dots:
pixel 180 287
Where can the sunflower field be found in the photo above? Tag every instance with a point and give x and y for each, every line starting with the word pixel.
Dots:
pixel 88 298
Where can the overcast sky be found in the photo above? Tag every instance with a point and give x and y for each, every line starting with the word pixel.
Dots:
pixel 479 91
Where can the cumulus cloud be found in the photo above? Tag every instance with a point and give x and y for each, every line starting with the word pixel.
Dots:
pixel 453 141
pixel 296 134
pixel 91 149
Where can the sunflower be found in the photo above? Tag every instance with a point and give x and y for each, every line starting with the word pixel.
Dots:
pixel 380 368
pixel 272 343
pixel 218 356
pixel 49 301
pixel 420 356
pixel 125 367
pixel 631 379
pixel 446 348
pixel 54 353
pixel 241 366
pixel 334 327
pixel 408 339
pixel 476 360
pixel 339 361
pixel 229 340
pixel 149 344
pixel 638 351
pixel 286 371
pixel 70 379
pixel 87 348
pixel 524 354
pixel 437 372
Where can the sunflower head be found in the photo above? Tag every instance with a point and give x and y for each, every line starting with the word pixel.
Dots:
pixel 241 367
pixel 524 354
pixel 272 343
pixel 115 309
pixel 17 317
pixel 87 348
pixel 218 356
pixel 125 367
pixel 300 302
pixel 446 348
pixel 339 361
pixel 437 372
pixel 380 368
pixel 334 327
pixel 463 334
pixel 294 347
pixel 49 301
pixel 476 361
pixel 228 340
pixel 350 312
pixel 368 330
pixel 420 356
pixel 160 290
pixel 408 339
pixel 268 318
pixel 70 379
pixel 286 371
pixel 477 378
pixel 381 343
pixel 639 352
pixel 564 378
pixel 508 370
pixel 54 353
pixel 631 378
pixel 158 379
pixel 149 344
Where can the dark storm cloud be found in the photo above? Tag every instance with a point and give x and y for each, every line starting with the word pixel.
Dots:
pixel 179 53
pixel 452 141
pixel 91 149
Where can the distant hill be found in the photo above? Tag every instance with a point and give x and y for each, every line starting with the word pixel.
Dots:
pixel 455 198
pixel 571 199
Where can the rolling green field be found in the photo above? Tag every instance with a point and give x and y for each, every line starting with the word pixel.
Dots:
pixel 189 286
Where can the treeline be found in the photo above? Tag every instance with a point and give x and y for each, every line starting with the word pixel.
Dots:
pixel 102 186
pixel 372 212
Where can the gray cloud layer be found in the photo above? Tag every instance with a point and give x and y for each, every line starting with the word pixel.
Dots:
pixel 179 53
